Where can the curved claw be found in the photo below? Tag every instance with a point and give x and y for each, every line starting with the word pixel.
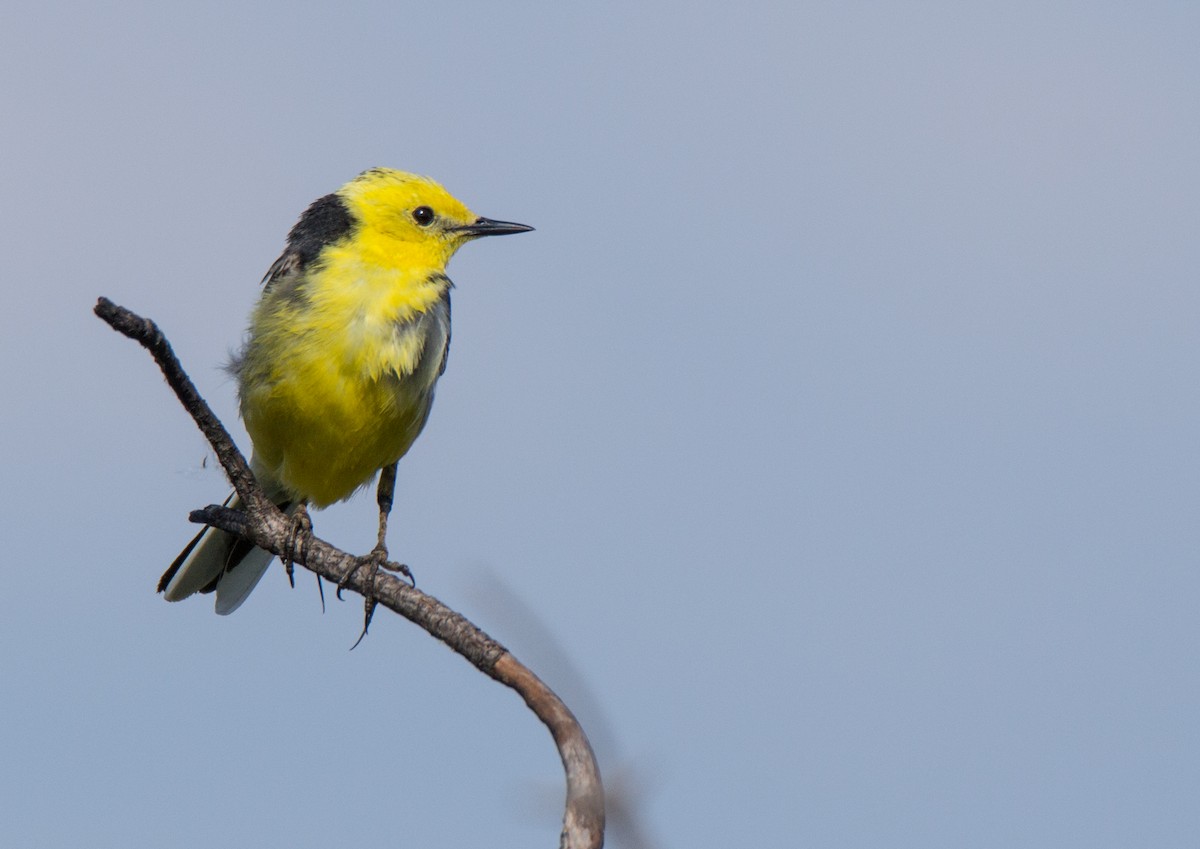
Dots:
pixel 375 560
pixel 298 537
pixel 369 612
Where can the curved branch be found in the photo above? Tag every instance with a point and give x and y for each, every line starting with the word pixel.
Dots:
pixel 266 526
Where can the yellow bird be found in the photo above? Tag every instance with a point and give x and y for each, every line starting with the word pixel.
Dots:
pixel 344 351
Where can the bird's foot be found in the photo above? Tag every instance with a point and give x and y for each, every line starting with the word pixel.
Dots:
pixel 298 537
pixel 374 561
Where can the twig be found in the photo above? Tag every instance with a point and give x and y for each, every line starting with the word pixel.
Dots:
pixel 266 526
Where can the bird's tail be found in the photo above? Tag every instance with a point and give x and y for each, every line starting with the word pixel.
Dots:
pixel 216 560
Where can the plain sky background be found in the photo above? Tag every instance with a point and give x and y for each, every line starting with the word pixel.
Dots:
pixel 839 421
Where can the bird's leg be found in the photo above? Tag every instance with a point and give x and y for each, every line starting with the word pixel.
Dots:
pixel 378 555
pixel 299 533
pixel 383 496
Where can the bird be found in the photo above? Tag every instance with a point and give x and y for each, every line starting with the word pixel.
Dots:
pixel 343 353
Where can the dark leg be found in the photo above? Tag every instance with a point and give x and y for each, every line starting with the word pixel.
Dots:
pixel 378 556
pixel 383 496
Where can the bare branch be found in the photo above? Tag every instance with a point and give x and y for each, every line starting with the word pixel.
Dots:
pixel 266 526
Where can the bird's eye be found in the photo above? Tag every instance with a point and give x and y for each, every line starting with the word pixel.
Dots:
pixel 423 215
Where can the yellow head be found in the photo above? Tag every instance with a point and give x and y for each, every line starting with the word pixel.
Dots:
pixel 398 213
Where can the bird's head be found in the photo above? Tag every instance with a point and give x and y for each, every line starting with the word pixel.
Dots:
pixel 393 207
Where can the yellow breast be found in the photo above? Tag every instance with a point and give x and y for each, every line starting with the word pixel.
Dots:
pixel 338 376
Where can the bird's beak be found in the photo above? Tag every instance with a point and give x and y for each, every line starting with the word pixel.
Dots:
pixel 487 227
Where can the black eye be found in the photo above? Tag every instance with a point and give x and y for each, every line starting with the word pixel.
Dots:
pixel 423 215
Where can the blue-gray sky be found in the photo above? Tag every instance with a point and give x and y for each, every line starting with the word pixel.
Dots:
pixel 839 419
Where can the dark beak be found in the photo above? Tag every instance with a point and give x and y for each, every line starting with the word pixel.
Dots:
pixel 487 227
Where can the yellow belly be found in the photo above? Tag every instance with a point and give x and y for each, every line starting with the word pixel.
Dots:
pixel 334 388
pixel 322 436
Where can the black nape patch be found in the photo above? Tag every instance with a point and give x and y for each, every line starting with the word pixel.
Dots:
pixel 326 221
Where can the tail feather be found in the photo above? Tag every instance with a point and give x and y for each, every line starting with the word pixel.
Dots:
pixel 236 584
pixel 173 569
pixel 216 560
